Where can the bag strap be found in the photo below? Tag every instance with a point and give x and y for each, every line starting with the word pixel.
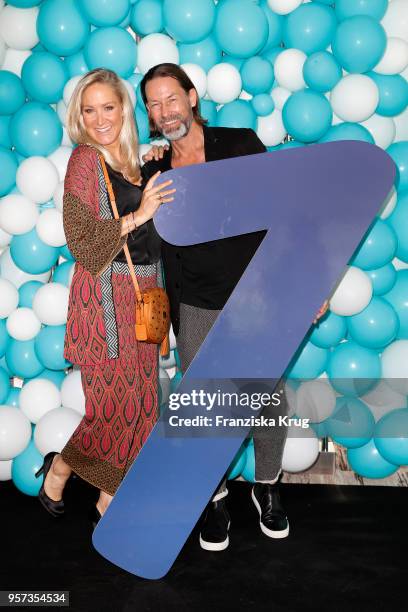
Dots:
pixel 116 214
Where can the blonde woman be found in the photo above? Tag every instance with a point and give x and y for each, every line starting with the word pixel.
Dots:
pixel 119 375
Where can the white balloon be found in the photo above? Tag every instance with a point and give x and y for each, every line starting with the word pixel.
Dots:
pixel 143 149
pixel 72 394
pixel 155 49
pixel 390 204
pixel 355 97
pixel 62 111
pixel 5 238
pixel 394 362
pixel 23 324
pixel 14 60
pixel 15 275
pixel 69 88
pixel 37 178
pixel 224 83
pixel 353 293
pixel 18 214
pixel 301 450
pixel 244 95
pixel 291 397
pixel 2 51
pixel 172 339
pixel 271 129
pixel 198 77
pixel 401 126
pixel 50 304
pixel 289 69
pixel 283 7
pixel 55 428
pixel 280 96
pixel 395 20
pixel 60 158
pixel 15 432
pixel 18 27
pixel 58 196
pixel 382 129
pixel 399 264
pixel 5 470
pixel 66 141
pixel 50 228
pixel 382 399
pixel 167 362
pixel 395 58
pixel 37 397
pixel 316 400
pixel 8 298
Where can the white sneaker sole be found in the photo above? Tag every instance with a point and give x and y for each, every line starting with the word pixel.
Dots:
pixel 281 533
pixel 215 546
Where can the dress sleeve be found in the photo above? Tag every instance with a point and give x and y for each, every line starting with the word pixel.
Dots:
pixel 93 242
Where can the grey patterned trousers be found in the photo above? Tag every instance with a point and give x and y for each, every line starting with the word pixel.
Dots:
pixel 269 442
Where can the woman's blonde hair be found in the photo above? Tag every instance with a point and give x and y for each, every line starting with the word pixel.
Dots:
pixel 129 145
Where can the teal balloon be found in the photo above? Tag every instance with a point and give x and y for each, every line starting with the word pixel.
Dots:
pixel 65 252
pixel 352 423
pixel 320 429
pixel 24 468
pixel 347 131
pixel 44 77
pixel 31 254
pixel 13 397
pixel 398 221
pixel 241 28
pixel 235 61
pixel 397 297
pixel 188 21
pixel 248 471
pixel 307 115
pixel 378 248
pixel 61 27
pixel 76 64
pixel 263 104
pixel 376 326
pixel 49 347
pixel 237 464
pixel 391 436
pixel 24 3
pixel 272 53
pixel 382 279
pixel 205 53
pixel 291 144
pixel 5 141
pixel 27 292
pixel 310 27
pixel 353 369
pixel 146 17
pixel 359 43
pixel 175 381
pixel 62 273
pixel 111 48
pixel 349 8
pixel 310 362
pixel 366 461
pixel 55 376
pixel 208 110
pixel 35 130
pixel 4 385
pixel 237 114
pixel 393 91
pixel 4 337
pixel 8 165
pixel 12 94
pixel 329 330
pixel 142 122
pixel 22 360
pixel 257 75
pixel 134 80
pixel 321 71
pixel 104 12
pixel 399 153
pixel 275 27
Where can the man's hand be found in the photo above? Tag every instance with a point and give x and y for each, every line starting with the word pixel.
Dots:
pixel 323 309
pixel 156 153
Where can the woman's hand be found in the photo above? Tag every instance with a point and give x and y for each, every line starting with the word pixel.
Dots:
pixel 323 309
pixel 153 197
pixel 156 153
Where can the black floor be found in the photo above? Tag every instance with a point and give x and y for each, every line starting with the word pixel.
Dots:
pixel 347 550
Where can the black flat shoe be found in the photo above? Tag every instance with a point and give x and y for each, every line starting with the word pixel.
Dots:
pixel 94 516
pixel 55 508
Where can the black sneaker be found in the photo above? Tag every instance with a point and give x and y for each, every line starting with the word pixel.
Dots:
pixel 214 530
pixel 272 517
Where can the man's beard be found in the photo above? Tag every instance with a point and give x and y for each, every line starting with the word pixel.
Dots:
pixel 181 131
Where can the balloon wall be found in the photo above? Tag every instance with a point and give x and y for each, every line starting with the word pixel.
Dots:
pixel 297 72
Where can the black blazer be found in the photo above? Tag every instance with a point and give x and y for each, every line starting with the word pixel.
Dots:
pixel 205 275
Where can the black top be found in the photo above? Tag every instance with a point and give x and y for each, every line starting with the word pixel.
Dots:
pixel 144 243
pixel 205 275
